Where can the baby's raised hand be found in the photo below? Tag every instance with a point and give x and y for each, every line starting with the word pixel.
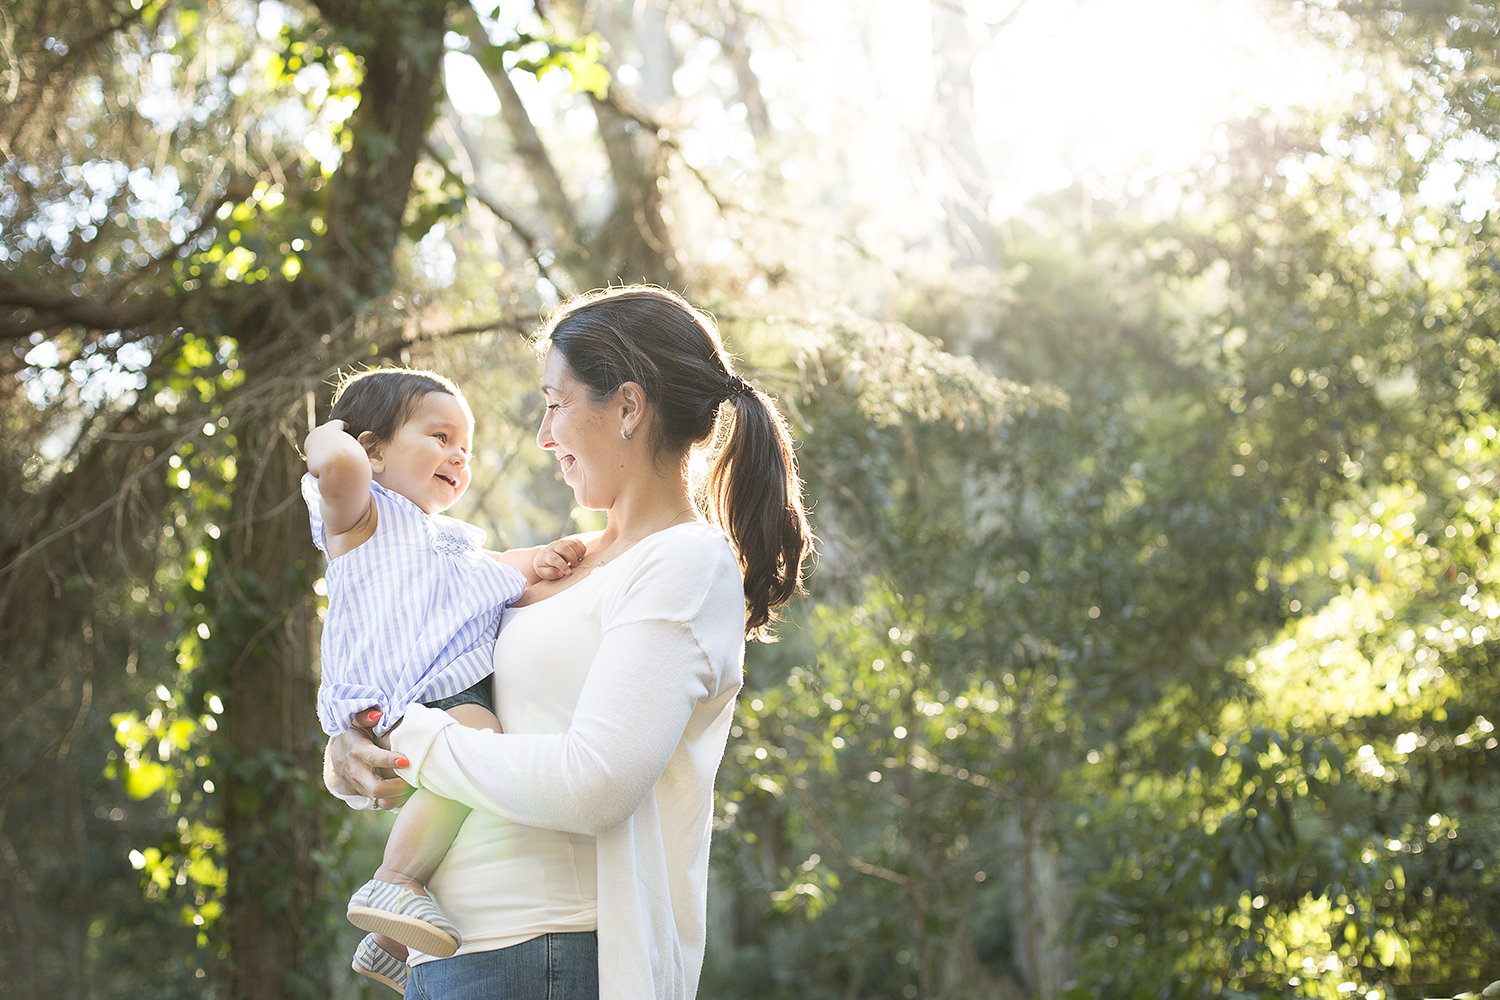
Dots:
pixel 555 561
pixel 330 447
pixel 324 435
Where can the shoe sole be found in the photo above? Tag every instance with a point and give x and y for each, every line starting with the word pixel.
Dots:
pixel 380 978
pixel 409 931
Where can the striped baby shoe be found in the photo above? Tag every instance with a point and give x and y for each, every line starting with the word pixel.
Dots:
pixel 380 965
pixel 399 913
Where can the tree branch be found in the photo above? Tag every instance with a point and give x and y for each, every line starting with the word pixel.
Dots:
pixel 554 200
pixel 826 830
pixel 535 248
pixel 53 310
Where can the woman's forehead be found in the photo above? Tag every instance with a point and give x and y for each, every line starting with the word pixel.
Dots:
pixel 556 377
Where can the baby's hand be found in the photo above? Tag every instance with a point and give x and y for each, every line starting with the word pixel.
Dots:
pixel 325 434
pixel 330 447
pixel 555 561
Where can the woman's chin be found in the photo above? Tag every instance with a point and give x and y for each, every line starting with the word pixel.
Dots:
pixel 587 501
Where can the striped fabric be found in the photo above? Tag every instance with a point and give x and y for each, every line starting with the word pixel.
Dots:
pixel 398 913
pixel 412 613
pixel 380 965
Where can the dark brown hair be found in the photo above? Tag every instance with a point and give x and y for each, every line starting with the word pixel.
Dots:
pixel 380 400
pixel 654 338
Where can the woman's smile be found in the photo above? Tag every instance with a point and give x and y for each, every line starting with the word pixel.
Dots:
pixel 584 436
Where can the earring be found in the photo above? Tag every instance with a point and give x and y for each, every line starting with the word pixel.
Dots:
pixel 623 435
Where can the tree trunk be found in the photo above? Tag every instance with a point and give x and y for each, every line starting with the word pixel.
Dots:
pixel 273 808
pixel 265 621
pixel 966 187
pixel 1042 902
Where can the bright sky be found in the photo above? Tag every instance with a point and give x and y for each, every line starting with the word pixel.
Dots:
pixel 1104 87
pixel 1107 91
pixel 1109 86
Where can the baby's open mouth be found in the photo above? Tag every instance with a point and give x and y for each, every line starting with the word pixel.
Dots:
pixel 447 479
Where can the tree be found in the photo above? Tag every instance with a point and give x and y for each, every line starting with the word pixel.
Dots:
pixel 219 319
pixel 1157 674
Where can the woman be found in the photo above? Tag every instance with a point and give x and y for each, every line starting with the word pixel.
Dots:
pixel 616 684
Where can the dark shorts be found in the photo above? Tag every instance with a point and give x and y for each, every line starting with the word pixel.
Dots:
pixel 479 695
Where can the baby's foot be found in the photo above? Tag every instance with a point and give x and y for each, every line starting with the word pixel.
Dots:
pixel 398 912
pixel 371 960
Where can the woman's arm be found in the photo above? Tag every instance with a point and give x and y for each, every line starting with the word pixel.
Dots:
pixel 630 718
pixel 650 674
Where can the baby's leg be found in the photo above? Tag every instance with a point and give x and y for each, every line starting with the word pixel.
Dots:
pixel 428 823
pixel 425 828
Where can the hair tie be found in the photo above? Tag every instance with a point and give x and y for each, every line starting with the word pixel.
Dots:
pixel 736 386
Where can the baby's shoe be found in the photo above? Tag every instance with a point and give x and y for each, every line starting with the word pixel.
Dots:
pixel 399 913
pixel 380 965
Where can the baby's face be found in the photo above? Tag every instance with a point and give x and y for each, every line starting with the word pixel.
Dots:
pixel 428 459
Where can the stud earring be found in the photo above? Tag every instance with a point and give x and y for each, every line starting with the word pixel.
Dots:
pixel 623 435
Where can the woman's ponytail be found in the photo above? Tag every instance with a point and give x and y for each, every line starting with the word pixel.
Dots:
pixel 654 338
pixel 755 495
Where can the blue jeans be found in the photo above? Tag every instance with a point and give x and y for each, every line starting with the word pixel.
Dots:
pixel 550 967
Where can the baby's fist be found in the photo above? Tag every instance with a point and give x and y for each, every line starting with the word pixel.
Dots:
pixel 557 560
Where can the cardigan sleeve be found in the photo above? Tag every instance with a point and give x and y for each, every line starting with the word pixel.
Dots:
pixel 673 641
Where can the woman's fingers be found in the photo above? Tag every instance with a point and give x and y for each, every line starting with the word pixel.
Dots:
pixel 390 793
pixel 367 718
pixel 355 766
pixel 376 758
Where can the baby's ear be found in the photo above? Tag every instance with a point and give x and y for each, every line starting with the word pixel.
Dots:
pixel 375 448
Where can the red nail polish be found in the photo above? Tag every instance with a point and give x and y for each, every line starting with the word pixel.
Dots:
pixel 401 762
pixel 375 714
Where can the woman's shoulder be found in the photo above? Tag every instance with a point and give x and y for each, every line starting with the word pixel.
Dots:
pixel 696 544
pixel 682 573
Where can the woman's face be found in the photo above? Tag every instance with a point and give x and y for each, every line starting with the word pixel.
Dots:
pixel 584 436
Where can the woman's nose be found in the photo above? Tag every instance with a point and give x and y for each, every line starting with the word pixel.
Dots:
pixel 544 433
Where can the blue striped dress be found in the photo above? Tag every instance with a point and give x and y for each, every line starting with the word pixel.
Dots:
pixel 412 612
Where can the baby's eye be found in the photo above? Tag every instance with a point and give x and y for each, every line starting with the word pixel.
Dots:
pixel 441 437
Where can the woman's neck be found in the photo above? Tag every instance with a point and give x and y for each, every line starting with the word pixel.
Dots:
pixel 656 504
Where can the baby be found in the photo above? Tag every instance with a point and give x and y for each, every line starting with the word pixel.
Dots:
pixel 414 602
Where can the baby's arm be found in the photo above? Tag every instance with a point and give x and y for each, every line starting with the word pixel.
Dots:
pixel 552 561
pixel 339 463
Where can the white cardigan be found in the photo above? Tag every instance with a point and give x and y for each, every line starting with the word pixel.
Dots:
pixel 661 632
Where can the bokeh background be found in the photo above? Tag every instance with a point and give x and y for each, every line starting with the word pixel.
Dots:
pixel 1142 358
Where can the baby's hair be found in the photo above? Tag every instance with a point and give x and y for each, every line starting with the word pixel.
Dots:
pixel 380 400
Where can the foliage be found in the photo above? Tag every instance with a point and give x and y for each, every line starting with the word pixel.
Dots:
pixel 1153 629
pixel 1249 621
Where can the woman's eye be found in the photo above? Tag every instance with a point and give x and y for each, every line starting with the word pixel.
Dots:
pixel 553 406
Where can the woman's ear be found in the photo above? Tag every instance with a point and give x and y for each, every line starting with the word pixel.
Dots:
pixel 374 448
pixel 631 399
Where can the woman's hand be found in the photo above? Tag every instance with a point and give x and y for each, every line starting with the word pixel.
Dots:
pixel 355 765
